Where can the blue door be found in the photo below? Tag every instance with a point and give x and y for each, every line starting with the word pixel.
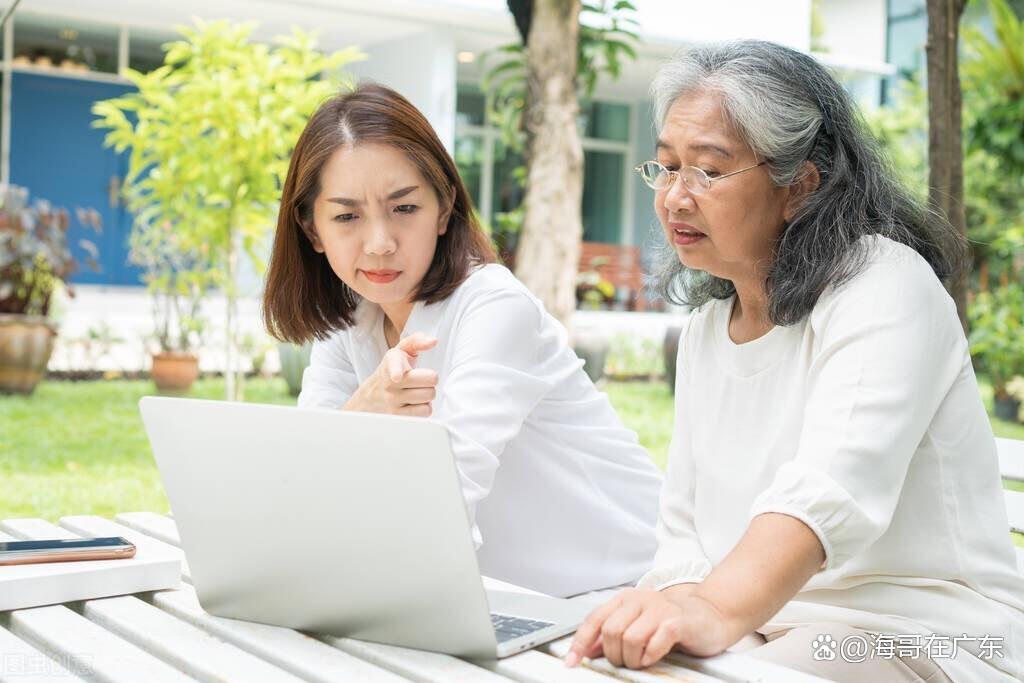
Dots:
pixel 59 157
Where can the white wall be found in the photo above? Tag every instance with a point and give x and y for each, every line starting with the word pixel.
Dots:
pixel 694 21
pixel 855 29
pixel 423 68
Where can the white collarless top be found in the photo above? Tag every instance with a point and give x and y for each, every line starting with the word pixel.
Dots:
pixel 864 422
pixel 563 497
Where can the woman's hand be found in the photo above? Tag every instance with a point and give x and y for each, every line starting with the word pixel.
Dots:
pixel 638 627
pixel 397 386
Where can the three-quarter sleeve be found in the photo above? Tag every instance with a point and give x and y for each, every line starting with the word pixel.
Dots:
pixel 498 374
pixel 330 379
pixel 680 557
pixel 889 348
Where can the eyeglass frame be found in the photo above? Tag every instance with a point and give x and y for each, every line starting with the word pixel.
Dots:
pixel 676 175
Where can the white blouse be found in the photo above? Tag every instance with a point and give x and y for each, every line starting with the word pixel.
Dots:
pixel 864 422
pixel 563 497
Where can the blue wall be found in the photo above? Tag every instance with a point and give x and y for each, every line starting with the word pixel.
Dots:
pixel 59 157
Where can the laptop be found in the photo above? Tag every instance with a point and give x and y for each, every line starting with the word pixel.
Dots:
pixel 341 523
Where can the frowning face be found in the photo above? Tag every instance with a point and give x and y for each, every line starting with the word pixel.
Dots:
pixel 377 220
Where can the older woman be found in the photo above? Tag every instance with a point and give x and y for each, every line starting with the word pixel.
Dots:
pixel 833 483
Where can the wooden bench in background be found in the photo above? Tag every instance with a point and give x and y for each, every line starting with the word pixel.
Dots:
pixel 620 265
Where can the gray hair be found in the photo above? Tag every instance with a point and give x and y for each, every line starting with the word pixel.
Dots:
pixel 790 109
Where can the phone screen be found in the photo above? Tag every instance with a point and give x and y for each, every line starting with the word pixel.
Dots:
pixel 58 545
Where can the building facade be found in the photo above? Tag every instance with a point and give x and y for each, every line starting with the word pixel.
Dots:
pixel 60 56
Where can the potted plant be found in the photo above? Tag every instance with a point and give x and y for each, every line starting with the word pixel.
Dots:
pixel 177 278
pixel 996 334
pixel 214 166
pixel 593 290
pixel 34 260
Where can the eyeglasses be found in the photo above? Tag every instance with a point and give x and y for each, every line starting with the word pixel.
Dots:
pixel 657 177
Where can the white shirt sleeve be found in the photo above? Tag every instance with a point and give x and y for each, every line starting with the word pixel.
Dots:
pixel 890 348
pixel 330 379
pixel 495 381
pixel 680 557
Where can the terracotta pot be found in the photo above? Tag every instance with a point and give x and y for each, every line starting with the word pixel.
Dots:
pixel 26 342
pixel 174 371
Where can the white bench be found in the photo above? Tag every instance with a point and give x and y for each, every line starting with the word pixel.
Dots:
pixel 166 636
pixel 1011 466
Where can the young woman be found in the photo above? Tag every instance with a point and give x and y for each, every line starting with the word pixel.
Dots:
pixel 379 258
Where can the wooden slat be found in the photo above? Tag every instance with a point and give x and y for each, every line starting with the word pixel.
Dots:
pixel 300 654
pixel 191 650
pixel 20 662
pixel 30 528
pixel 157 526
pixel 657 673
pixel 428 667
pixel 92 525
pixel 70 637
pixel 1011 458
pixel 534 666
pixel 1015 509
pixel 198 653
pixel 724 667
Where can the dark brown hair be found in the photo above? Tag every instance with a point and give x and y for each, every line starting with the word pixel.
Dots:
pixel 303 298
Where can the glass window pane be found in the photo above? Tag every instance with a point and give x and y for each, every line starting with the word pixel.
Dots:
pixel 469 158
pixel 899 8
pixel 507 194
pixel 606 121
pixel 602 196
pixel 469 106
pixel 145 49
pixel 65 44
pixel 506 197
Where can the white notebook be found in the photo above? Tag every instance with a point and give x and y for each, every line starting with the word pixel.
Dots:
pixel 33 585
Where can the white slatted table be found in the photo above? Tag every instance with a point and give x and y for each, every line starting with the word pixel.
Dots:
pixel 166 636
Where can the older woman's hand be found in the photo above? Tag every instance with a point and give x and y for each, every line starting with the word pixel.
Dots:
pixel 639 627
pixel 397 386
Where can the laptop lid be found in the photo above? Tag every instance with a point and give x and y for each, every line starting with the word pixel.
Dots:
pixel 351 524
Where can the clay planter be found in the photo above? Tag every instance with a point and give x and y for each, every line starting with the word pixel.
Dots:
pixel 174 372
pixel 26 342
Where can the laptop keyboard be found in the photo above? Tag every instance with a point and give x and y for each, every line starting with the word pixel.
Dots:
pixel 508 628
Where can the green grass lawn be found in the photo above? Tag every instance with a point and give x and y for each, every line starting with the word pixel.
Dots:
pixel 79 447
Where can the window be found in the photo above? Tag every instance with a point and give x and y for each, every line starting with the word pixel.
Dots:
pixel 905 39
pixel 65 44
pixel 145 49
pixel 606 121
pixel 489 169
pixel 603 187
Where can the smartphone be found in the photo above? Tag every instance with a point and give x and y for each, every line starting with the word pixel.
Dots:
pixel 65 550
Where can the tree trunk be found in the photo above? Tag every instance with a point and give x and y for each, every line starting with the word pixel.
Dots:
pixel 945 142
pixel 549 245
